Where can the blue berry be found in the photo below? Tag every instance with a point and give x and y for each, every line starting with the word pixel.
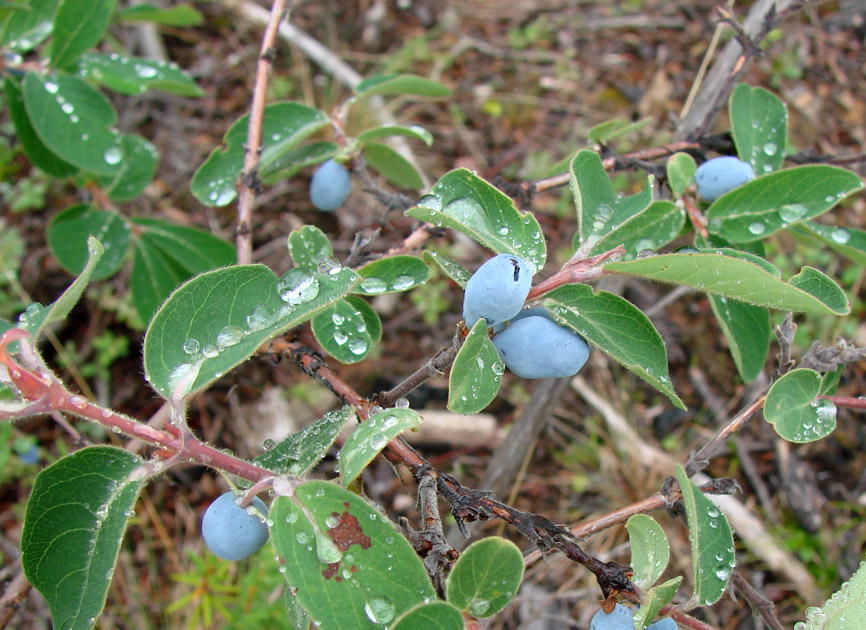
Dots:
pixel 666 623
pixel 722 174
pixel 497 290
pixel 30 456
pixel 536 347
pixel 620 618
pixel 230 532
pixel 330 186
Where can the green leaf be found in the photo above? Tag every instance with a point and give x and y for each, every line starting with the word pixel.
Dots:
pixel 63 305
pixel 476 373
pixel 747 330
pixel 712 543
pixel 370 437
pixel 371 318
pixel 290 162
pixel 36 151
pixel 75 520
pixel 308 245
pixel 770 203
pixel 830 381
pixel 342 331
pixel 396 169
pixel 299 453
pixel 180 15
pixel 78 26
pixel 681 169
pixel 650 551
pixel 137 169
pixel 392 275
pixel 347 562
pixel 73 120
pixel 457 272
pixel 612 129
pixel 655 599
pixel 759 123
pixel 794 410
pixel 463 201
pixel 651 228
pixel 283 127
pixel 618 328
pixel 431 616
pixel 850 242
pixel 219 318
pixel 136 75
pixel 485 577
pixel 401 84
pixel 22 31
pixel 165 255
pixel 415 131
pixel 600 209
pixel 845 610
pixel 68 233
pixel 739 278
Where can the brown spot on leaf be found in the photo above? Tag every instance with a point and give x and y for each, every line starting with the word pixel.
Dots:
pixel 331 570
pixel 348 532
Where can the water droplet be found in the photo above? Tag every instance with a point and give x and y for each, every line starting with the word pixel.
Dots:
pixel 340 337
pixel 757 228
pixel 332 520
pixel 210 351
pixel 498 368
pixel 767 167
pixel 358 346
pixel 229 336
pixel 840 235
pixel 337 318
pixel 268 444
pixel 401 283
pixel 261 317
pixel 480 362
pixel 112 155
pixel 379 610
pixel 829 198
pixel 478 607
pixel 792 212
pixel 433 202
pixel 503 231
pixel 374 285
pixel 67 108
pixel 291 517
pixel 378 442
pixel 51 87
pixel 401 403
pixel 298 286
pixel 770 148
pixel 302 538
pixel 191 346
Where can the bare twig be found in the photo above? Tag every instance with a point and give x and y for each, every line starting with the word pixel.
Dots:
pixel 760 604
pixel 699 460
pixel 249 181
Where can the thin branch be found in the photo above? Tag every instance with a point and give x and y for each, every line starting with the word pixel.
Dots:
pixel 249 181
pixel 757 601
pixel 698 461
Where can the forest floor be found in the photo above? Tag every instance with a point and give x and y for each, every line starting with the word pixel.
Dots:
pixel 529 78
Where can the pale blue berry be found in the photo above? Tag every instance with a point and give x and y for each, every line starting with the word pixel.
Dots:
pixel 620 618
pixel 497 290
pixel 536 347
pixel 230 531
pixel 720 175
pixel 330 186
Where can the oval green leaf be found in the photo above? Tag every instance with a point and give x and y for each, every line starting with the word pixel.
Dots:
pixel 794 410
pixel 36 151
pixel 219 318
pixel 308 245
pixel 431 616
pixel 850 242
pixel 78 26
pixel 396 169
pixel 284 125
pixel 654 599
pixel 759 123
pixel 770 203
pixel 600 210
pixel 75 520
pixel 137 170
pixel 415 131
pixel 74 121
pixel 349 565
pixel 135 75
pixel 22 31
pixel 650 551
pixel 370 437
pixel 713 557
pixel 485 577
pixel 845 610
pixel 68 233
pixel 476 373
pixel 342 331
pixel 298 453
pixel 740 278
pixel 463 201
pixel 680 170
pixel 392 275
pixel 457 272
pixel 618 328
pixel 401 84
